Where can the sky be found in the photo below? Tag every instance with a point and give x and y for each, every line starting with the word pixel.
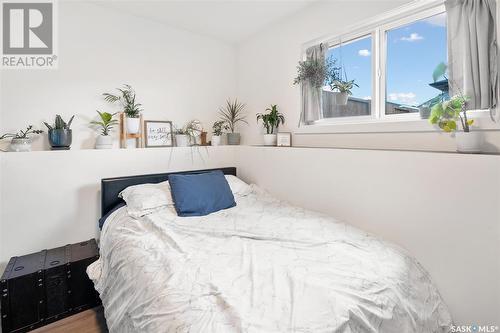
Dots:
pixel 413 52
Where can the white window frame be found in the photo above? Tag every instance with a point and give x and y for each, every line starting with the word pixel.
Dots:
pixel 378 121
pixel 383 58
pixel 346 39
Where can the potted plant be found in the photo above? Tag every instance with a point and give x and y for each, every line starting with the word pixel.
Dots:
pixel 217 130
pixel 188 134
pixel 21 141
pixel 232 114
pixel 341 90
pixel 60 134
pixel 181 137
pixel 446 114
pixel 131 109
pixel 271 122
pixel 194 130
pixel 313 72
pixel 104 140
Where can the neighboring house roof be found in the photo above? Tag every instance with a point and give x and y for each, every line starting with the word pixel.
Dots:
pixel 441 85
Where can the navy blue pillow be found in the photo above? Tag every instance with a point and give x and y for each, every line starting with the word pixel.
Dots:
pixel 200 194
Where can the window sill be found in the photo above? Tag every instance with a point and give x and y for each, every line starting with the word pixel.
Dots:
pixel 401 124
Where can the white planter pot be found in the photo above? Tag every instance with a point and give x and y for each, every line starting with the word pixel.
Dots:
pixel 20 145
pixel 269 139
pixel 340 98
pixel 469 142
pixel 133 125
pixel 182 140
pixel 104 142
pixel 216 140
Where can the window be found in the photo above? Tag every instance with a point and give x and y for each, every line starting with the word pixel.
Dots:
pixel 414 51
pixel 351 62
pixel 392 68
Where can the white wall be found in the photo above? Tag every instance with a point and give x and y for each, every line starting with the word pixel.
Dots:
pixel 267 66
pixel 443 208
pixel 52 198
pixel 178 75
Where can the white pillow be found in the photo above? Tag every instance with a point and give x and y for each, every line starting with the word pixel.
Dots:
pixel 238 187
pixel 147 198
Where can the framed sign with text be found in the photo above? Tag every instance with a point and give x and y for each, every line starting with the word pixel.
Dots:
pixel 284 139
pixel 158 133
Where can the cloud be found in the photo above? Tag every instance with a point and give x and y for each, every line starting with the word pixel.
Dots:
pixel 367 98
pixel 405 98
pixel 412 38
pixel 437 20
pixel 364 53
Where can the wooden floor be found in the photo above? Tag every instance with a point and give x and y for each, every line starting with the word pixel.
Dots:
pixel 89 321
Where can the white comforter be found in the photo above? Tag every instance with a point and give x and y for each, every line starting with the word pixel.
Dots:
pixel 262 266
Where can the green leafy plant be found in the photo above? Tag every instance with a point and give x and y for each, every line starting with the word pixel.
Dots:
pixel 106 123
pixel 59 123
pixel 232 114
pixel 447 113
pixel 343 86
pixel 219 127
pixel 317 72
pixel 22 134
pixel 192 129
pixel 272 119
pixel 127 100
pixel 179 131
pixel 312 71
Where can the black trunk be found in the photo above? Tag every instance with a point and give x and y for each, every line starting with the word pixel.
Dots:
pixel 42 287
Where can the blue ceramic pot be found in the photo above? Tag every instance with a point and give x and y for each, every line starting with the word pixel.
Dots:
pixel 60 138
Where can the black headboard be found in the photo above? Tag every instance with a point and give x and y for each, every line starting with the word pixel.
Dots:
pixel 111 187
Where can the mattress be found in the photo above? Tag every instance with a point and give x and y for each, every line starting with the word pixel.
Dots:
pixel 262 266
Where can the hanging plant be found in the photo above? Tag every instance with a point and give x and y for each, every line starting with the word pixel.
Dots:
pixel 312 71
pixel 318 73
pixel 343 86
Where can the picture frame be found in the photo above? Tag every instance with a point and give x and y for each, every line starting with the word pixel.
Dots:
pixel 158 133
pixel 284 139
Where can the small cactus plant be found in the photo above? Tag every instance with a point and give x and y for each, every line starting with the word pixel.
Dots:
pixel 59 123
pixel 60 134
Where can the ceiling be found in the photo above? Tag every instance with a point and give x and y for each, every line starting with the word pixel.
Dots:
pixel 213 17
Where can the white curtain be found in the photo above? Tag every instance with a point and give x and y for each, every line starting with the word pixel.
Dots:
pixel 311 96
pixel 472 51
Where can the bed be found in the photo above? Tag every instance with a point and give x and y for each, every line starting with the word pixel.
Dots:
pixel 261 266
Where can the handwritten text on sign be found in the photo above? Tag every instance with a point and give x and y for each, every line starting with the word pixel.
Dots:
pixel 158 133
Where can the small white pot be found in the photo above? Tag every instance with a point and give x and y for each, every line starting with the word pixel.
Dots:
pixel 216 140
pixel 104 142
pixel 340 98
pixel 20 145
pixel 469 142
pixel 133 125
pixel 269 139
pixel 182 140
